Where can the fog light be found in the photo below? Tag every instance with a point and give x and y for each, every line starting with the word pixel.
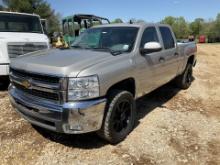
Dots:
pixel 71 129
pixel 74 120
pixel 75 127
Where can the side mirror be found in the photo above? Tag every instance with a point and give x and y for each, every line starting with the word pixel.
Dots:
pixel 151 47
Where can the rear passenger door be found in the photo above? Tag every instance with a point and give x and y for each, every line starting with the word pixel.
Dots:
pixel 169 53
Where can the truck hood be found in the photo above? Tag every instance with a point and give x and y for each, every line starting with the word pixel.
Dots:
pixel 65 63
pixel 22 37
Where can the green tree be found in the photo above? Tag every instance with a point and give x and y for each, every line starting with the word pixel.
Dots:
pixel 217 25
pixel 40 7
pixel 169 20
pixel 197 26
pixel 117 20
pixel 179 26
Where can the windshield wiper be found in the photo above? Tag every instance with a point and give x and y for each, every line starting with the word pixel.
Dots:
pixel 79 47
pixel 113 52
pixel 116 52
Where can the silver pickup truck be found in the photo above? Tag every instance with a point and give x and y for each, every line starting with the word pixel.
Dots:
pixel 93 85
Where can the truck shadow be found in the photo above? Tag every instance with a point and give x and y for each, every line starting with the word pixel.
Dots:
pixel 4 83
pixel 155 99
pixel 3 87
pixel 145 105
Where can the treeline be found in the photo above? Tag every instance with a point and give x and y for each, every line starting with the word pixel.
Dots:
pixel 184 29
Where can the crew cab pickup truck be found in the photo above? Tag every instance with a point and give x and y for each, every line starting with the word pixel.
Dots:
pixel 93 85
pixel 20 33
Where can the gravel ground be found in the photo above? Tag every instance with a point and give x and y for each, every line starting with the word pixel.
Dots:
pixel 174 127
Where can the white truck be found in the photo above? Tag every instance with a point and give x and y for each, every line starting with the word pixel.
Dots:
pixel 20 33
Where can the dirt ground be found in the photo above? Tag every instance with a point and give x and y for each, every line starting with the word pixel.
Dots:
pixel 174 127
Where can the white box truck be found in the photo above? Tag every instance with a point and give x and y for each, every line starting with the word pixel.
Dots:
pixel 20 33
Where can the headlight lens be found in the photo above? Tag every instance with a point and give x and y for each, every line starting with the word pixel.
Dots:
pixel 83 88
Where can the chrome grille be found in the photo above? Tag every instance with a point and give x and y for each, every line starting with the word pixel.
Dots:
pixel 38 93
pixel 17 49
pixel 37 85
pixel 37 77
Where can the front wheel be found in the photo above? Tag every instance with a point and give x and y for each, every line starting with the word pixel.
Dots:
pixel 120 117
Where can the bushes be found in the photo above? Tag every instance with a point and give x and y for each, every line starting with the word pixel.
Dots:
pixel 183 29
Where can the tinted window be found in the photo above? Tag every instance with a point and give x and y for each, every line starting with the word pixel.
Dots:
pixel 167 37
pixel 113 38
pixel 20 23
pixel 149 35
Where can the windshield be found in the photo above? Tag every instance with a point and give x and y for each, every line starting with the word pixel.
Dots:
pixel 108 38
pixel 20 23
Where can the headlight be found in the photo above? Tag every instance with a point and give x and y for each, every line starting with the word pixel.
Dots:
pixel 83 88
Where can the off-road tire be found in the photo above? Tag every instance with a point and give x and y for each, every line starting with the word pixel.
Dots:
pixel 108 130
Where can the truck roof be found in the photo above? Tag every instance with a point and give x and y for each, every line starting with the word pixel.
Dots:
pixel 131 25
pixel 9 12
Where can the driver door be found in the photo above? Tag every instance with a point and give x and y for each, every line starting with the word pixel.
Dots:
pixel 151 66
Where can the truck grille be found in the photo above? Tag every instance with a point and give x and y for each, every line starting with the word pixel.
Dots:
pixel 37 85
pixel 17 49
pixel 38 93
pixel 37 77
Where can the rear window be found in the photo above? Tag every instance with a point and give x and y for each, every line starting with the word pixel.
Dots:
pixel 167 38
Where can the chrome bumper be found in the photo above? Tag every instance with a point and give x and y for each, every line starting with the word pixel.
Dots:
pixel 70 118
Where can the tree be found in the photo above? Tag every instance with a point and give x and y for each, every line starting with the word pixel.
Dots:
pixel 179 26
pixel 54 22
pixel 40 7
pixel 117 20
pixel 3 3
pixel 169 20
pixel 197 27
pixel 217 25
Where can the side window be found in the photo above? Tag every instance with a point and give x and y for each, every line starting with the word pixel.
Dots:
pixel 149 35
pixel 167 38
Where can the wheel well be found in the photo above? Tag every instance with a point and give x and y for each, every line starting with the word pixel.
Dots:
pixel 191 60
pixel 127 85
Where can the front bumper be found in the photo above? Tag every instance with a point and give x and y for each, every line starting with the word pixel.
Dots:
pixel 70 118
pixel 4 69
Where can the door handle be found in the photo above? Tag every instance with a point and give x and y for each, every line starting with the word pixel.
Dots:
pixel 161 59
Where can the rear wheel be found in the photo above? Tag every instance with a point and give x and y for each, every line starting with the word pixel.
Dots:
pixel 120 117
pixel 184 80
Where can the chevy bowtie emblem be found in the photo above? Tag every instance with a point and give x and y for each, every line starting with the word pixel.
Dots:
pixel 26 84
